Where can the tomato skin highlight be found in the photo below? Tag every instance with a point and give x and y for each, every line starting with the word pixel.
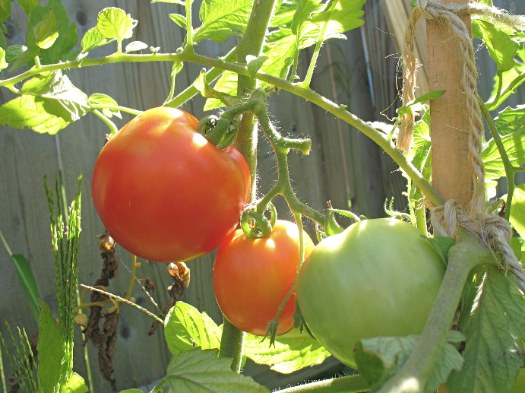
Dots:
pixel 164 192
pixel 377 278
pixel 251 277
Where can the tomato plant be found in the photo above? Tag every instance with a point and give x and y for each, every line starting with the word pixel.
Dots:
pixel 164 192
pixel 251 277
pixel 519 385
pixel 377 278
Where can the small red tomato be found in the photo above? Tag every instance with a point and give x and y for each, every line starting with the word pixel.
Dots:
pixel 251 277
pixel 164 192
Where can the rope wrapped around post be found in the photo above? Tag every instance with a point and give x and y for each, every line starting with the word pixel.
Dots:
pixel 494 231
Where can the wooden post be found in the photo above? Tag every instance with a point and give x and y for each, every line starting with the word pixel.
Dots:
pixel 451 171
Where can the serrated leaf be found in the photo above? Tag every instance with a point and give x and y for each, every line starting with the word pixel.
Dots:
pixel 517 210
pixel 92 39
pixel 179 20
pixel 75 384
pixel 493 319
pixel 57 39
pixel 292 351
pixel 29 112
pixel 514 145
pixel 339 17
pixel 135 46
pixel 186 328
pixel 46 31
pixel 58 94
pixel 501 47
pixel 3 63
pixel 53 370
pixel 202 372
pixel 379 358
pixel 222 19
pixel 105 103
pixel 115 23
pixel 226 84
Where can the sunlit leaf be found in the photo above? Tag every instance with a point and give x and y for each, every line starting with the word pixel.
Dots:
pixel 105 103
pixel 179 20
pixel 46 32
pixel 222 19
pixel 517 210
pixel 115 23
pixel 501 47
pixel 186 328
pixel 292 351
pixel 135 46
pixel 202 372
pixel 514 145
pixel 3 63
pixel 92 39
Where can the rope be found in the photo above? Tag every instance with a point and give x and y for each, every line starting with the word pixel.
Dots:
pixel 494 231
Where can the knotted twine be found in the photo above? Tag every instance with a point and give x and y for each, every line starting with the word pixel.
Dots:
pixel 494 231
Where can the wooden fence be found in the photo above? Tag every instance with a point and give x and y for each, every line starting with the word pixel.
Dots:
pixel 344 167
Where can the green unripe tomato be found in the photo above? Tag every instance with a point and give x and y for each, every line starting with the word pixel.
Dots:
pixel 377 278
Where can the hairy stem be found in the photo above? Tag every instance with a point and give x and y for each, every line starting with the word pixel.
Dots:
pixel 415 372
pixel 250 44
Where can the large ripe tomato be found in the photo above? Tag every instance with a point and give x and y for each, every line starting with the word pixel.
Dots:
pixel 251 277
pixel 377 278
pixel 164 192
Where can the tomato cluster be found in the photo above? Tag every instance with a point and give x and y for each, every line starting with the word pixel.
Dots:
pixel 164 192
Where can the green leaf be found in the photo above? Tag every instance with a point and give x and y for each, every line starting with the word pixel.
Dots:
pixel 27 282
pixel 340 16
pixel 53 370
pixel 61 98
pixel 493 319
pixel 514 145
pixel 92 39
pixel 17 56
pixel 501 47
pixel 3 63
pixel 134 390
pixel 114 23
pixel 292 351
pixel 46 31
pixel 105 103
pixel 185 328
pixel 76 384
pixel 510 120
pixel 222 19
pixel 508 81
pixel 29 112
pixel 517 210
pixel 417 105
pixel 379 358
pixel 135 46
pixel 226 84
pixel 52 40
pixel 179 19
pixel 202 372
pixel 28 5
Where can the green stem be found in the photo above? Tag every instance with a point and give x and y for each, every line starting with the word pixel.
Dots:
pixel 464 256
pixel 112 127
pixel 507 165
pixel 131 111
pixel 246 142
pixel 189 27
pixel 503 94
pixel 347 384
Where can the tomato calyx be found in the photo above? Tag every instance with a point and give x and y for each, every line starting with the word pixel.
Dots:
pixel 220 131
pixel 257 225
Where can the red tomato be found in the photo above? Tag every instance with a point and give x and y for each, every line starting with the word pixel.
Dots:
pixel 164 192
pixel 251 277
